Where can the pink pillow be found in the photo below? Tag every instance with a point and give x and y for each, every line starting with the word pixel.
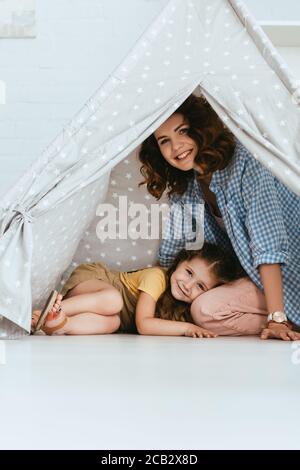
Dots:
pixel 234 309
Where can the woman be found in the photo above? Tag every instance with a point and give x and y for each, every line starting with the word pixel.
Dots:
pixel 195 157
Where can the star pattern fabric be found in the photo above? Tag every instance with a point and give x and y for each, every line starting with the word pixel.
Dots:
pixel 125 254
pixel 213 44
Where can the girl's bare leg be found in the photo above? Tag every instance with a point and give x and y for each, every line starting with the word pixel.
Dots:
pixel 92 307
pixel 83 323
pixel 93 296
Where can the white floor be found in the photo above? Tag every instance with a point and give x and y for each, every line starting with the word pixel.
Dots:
pixel 133 392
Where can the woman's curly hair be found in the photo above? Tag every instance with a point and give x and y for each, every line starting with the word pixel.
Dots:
pixel 215 148
pixel 224 266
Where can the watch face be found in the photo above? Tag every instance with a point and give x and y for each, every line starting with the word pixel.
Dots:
pixel 279 317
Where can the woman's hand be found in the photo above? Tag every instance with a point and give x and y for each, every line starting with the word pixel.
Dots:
pixel 195 331
pixel 277 331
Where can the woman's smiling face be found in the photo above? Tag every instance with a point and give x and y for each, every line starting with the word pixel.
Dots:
pixel 177 148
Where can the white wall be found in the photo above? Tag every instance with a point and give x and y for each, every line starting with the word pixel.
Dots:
pixel 275 10
pixel 50 77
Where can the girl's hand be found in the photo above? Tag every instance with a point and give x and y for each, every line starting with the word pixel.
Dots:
pixel 278 331
pixel 195 331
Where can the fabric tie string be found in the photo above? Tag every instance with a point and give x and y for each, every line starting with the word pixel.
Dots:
pixel 21 213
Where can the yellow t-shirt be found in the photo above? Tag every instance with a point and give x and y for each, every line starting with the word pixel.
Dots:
pixel 149 280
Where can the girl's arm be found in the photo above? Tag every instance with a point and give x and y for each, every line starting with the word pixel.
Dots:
pixel 147 324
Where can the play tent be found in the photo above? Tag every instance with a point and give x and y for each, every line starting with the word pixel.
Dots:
pixel 49 219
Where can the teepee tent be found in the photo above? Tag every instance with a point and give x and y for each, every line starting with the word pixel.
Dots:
pixel 49 218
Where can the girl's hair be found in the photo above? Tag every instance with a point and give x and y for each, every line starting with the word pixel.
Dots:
pixel 215 148
pixel 224 266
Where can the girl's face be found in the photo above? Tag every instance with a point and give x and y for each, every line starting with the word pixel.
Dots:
pixel 177 148
pixel 191 279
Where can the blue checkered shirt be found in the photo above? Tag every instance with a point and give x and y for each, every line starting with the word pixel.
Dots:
pixel 261 218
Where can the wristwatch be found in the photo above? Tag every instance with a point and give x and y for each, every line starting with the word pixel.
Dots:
pixel 278 317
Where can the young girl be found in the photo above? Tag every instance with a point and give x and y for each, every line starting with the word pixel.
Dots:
pixel 196 158
pixel 150 301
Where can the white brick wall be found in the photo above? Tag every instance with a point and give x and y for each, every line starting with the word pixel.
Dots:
pixel 48 78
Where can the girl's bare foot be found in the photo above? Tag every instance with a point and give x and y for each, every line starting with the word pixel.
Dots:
pixel 55 323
